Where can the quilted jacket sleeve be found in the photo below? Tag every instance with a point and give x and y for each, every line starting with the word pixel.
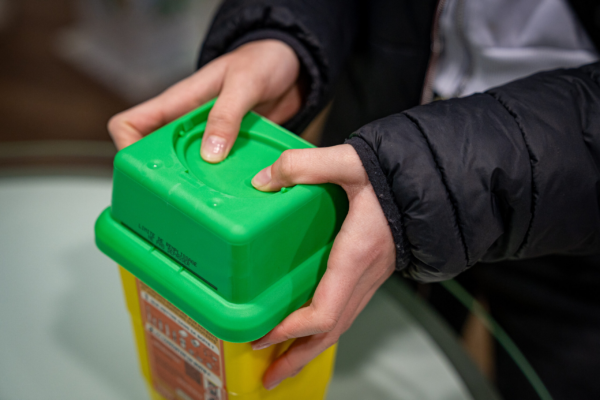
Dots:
pixel 321 33
pixel 510 173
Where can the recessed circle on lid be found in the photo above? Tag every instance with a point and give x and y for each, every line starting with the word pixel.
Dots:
pixel 232 176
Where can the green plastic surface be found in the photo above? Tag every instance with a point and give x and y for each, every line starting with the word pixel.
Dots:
pixel 233 258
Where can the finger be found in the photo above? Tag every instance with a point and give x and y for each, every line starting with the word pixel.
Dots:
pixel 338 164
pixel 305 349
pixel 131 125
pixel 300 353
pixel 239 95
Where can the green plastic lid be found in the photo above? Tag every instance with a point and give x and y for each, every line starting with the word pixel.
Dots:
pixel 233 258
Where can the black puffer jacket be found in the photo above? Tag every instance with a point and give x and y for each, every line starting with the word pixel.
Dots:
pixel 511 173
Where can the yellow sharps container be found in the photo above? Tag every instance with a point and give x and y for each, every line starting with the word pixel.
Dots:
pixel 208 263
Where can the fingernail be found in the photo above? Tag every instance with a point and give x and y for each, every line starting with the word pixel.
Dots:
pixel 262 178
pixel 260 346
pixel 272 385
pixel 213 149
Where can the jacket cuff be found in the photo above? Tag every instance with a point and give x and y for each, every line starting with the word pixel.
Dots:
pixel 385 197
pixel 309 73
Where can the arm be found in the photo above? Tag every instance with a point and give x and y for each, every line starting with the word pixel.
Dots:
pixel 511 173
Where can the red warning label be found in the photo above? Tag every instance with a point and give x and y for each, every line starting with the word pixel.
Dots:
pixel 185 359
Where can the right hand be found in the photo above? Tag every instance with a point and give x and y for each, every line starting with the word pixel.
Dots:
pixel 260 76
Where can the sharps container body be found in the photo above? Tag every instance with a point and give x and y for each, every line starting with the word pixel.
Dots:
pixel 208 263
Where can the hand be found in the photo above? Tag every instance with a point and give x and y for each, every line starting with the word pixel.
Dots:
pixel 260 75
pixel 363 256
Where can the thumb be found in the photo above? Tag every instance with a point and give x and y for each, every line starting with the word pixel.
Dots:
pixel 338 164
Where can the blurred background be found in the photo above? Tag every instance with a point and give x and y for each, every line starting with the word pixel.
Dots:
pixel 67 66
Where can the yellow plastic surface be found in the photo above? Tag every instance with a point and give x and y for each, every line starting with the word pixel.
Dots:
pixel 244 367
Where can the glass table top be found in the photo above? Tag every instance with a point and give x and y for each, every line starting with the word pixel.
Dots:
pixel 65 333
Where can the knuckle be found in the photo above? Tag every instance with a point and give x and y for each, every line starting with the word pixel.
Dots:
pixel 327 324
pixel 287 334
pixel 220 118
pixel 285 331
pixel 114 124
pixel 286 165
pixel 288 364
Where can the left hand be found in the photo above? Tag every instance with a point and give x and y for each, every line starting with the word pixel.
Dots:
pixel 363 256
pixel 262 76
